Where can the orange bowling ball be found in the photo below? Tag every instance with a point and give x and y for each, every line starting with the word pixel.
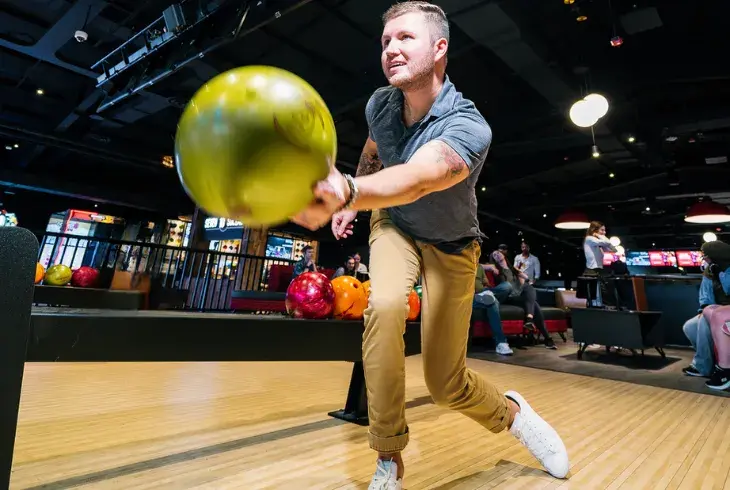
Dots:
pixel 350 298
pixel 40 271
pixel 366 287
pixel 414 305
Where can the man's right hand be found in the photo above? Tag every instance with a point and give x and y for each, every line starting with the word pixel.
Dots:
pixel 342 223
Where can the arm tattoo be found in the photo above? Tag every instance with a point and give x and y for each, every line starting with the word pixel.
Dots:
pixel 369 163
pixel 454 163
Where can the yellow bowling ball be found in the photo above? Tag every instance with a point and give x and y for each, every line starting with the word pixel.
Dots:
pixel 251 144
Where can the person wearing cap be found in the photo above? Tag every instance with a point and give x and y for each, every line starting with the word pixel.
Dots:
pixel 714 290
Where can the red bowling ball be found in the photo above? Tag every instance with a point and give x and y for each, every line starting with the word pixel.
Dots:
pixel 85 277
pixel 310 295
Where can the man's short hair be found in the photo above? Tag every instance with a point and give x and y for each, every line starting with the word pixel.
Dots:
pixel 435 16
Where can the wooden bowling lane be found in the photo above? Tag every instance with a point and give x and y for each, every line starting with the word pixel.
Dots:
pixel 263 426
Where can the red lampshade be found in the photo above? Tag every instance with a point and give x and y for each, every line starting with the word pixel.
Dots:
pixel 707 212
pixel 573 220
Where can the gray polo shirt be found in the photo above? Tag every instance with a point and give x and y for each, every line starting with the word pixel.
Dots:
pixel 447 219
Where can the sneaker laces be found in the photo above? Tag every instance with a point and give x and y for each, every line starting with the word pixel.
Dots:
pixel 531 434
pixel 382 479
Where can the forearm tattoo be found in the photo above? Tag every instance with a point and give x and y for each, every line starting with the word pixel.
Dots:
pixel 454 163
pixel 369 163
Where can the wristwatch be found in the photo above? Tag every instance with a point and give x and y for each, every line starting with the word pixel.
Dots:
pixel 354 192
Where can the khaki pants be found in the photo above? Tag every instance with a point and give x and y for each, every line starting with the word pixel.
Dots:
pixel 448 290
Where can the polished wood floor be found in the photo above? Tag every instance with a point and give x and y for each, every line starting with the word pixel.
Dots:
pixel 264 426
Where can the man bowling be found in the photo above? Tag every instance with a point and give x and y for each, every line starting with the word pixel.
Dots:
pixel 417 173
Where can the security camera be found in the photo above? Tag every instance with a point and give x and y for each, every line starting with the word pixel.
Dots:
pixel 81 36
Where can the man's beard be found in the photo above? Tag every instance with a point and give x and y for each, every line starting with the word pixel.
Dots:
pixel 420 76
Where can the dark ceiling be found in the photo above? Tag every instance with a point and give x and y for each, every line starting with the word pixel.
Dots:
pixel 523 62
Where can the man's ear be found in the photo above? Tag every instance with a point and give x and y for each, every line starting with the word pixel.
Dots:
pixel 440 49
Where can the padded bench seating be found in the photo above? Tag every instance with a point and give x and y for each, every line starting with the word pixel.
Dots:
pixel 258 301
pixel 272 300
pixel 556 321
pixel 554 306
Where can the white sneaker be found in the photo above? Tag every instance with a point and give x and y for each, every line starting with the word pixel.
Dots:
pixel 386 477
pixel 503 349
pixel 539 438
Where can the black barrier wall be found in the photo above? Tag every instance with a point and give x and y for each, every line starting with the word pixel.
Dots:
pixel 202 279
pixel 18 249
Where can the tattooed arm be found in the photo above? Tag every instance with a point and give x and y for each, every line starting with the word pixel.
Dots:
pixel 437 165
pixel 369 160
pixel 434 167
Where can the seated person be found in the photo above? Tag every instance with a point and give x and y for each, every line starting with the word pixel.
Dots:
pixel 361 270
pixel 523 294
pixel 714 290
pixel 485 300
pixel 306 263
pixel 348 269
pixel 501 291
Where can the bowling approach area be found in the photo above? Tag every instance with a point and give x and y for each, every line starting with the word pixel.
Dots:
pixel 153 399
pixel 264 425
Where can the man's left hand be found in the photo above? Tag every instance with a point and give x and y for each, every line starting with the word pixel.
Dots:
pixel 329 197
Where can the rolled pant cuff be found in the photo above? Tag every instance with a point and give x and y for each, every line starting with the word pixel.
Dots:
pixel 391 444
pixel 502 425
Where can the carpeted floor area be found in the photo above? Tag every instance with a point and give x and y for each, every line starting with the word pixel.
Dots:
pixel 650 369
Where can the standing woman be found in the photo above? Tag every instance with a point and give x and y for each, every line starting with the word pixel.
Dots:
pixel 594 246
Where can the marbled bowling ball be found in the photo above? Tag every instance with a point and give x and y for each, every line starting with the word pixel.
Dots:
pixel 310 295
pixel 57 275
pixel 85 277
pixel 351 298
pixel 251 144
pixel 40 271
pixel 414 306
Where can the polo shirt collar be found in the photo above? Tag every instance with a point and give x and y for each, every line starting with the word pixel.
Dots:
pixel 444 100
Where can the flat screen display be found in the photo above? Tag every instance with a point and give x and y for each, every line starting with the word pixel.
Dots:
pixel 662 258
pixel 689 258
pixel 278 247
pixel 609 258
pixel 638 258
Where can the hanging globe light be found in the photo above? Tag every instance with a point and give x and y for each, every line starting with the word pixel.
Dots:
pixel 615 241
pixel 620 250
pixel 598 104
pixel 709 237
pixel 582 115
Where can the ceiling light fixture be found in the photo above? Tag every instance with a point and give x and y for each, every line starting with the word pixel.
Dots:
pixel 709 237
pixel 572 220
pixel 707 212
pixel 594 152
pixel 587 111
pixel 39 91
